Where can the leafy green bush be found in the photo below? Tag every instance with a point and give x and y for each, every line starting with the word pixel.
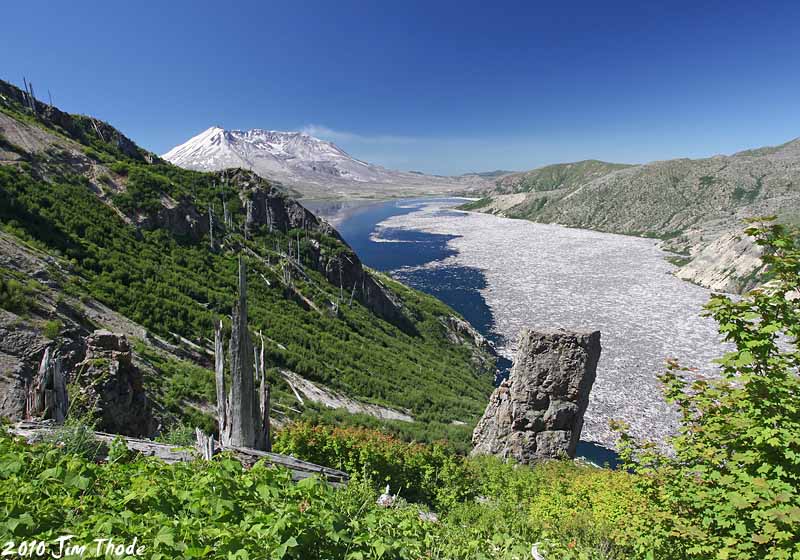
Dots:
pixel 732 489
pixel 118 451
pixel 421 473
pixel 178 434
pixel 14 296
pixel 216 509
pixel 143 192
pixel 584 512
pixel 52 328
pixel 457 436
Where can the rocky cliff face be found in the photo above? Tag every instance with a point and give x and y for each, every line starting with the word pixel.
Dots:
pixel 731 263
pixel 537 413
pixel 484 353
pixel 270 208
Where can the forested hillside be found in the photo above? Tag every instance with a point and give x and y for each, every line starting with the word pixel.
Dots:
pixel 91 221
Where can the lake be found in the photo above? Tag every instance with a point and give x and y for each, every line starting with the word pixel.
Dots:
pixel 504 274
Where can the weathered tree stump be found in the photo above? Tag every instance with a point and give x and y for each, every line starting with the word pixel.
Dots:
pixel 47 393
pixel 243 415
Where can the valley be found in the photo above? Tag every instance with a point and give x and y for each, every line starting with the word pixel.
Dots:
pixel 696 208
pixel 505 274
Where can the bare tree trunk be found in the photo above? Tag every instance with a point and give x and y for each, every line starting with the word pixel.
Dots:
pixel 243 413
pixel 265 410
pixel 222 395
pixel 248 218
pixel 60 390
pixel 264 398
pixel 205 444
pixel 47 393
pixel 243 416
pixel 211 225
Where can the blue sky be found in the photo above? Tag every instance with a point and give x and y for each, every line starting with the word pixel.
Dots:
pixel 441 87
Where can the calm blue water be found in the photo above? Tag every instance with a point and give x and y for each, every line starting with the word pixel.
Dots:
pixel 400 251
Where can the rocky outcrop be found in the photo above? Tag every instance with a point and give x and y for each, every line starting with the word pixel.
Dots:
pixel 268 207
pixel 731 263
pixel 76 126
pixel 21 350
pixel 181 218
pixel 484 353
pixel 111 387
pixel 537 413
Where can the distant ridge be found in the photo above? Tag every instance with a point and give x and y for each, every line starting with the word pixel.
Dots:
pixel 697 206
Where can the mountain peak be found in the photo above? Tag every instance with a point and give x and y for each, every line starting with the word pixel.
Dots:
pixel 312 165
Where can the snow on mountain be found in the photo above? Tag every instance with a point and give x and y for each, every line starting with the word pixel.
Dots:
pixel 312 165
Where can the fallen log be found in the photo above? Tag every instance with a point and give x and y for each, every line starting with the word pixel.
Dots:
pixel 34 431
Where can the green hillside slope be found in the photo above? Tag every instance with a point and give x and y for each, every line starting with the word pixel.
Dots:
pixel 125 229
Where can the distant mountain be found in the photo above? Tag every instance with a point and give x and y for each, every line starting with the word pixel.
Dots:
pixel 696 206
pixel 315 167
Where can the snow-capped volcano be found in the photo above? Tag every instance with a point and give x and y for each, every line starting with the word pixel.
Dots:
pixel 311 165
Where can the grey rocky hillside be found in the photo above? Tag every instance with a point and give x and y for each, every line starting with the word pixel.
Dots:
pixel 696 206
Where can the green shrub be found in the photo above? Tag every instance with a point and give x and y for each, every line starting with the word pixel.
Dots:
pixel 76 437
pixel 732 489
pixel 120 167
pixel 14 296
pixel 422 473
pixel 583 512
pixel 216 509
pixel 118 451
pixel 178 434
pixel 52 329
